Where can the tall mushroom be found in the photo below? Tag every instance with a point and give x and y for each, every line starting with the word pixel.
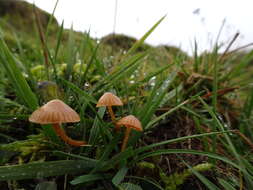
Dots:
pixel 109 100
pixel 130 122
pixel 56 112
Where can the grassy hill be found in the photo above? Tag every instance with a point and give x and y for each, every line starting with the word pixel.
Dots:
pixel 19 27
pixel 20 15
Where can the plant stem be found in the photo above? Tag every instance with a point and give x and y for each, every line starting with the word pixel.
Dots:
pixel 61 133
pixel 127 133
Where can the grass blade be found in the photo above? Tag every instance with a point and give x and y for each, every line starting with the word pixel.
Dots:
pixel 88 178
pixel 21 87
pixel 154 100
pixel 44 169
pixel 225 184
pixel 88 97
pixel 185 151
pixel 120 175
pixel 141 41
pixel 202 178
pixel 148 147
pixel 129 186
pixel 119 72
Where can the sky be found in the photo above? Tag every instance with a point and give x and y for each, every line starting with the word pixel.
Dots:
pixel 186 20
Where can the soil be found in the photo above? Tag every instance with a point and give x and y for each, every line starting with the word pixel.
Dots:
pixel 171 129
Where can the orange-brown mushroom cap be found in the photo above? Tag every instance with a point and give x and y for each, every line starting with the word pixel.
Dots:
pixel 130 121
pixel 109 99
pixel 55 111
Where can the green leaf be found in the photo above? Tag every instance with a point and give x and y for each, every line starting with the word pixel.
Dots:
pixel 14 73
pixel 225 184
pixel 147 78
pixel 69 155
pixel 159 118
pixel 44 169
pixel 46 185
pixel 88 178
pixel 120 72
pixel 119 157
pixel 155 99
pixel 148 147
pixel 72 50
pixel 185 151
pixel 148 182
pixel 141 41
pixel 59 39
pixel 221 127
pixel 51 19
pixel 88 97
pixel 120 175
pixel 129 186
pixel 203 179
pixel 107 151
pixel 95 131
pixel 13 116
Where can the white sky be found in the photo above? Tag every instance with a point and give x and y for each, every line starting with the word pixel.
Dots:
pixel 180 28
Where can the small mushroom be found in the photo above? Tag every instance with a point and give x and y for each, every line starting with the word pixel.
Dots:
pixel 109 100
pixel 56 112
pixel 130 122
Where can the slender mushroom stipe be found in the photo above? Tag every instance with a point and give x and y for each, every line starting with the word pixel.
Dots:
pixel 61 133
pixel 109 100
pixel 130 122
pixel 111 114
pixel 125 140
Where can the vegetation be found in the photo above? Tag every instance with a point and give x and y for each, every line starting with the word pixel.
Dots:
pixel 196 112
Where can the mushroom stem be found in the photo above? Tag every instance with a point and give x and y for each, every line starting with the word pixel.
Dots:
pixel 111 113
pixel 127 133
pixel 61 133
pixel 113 117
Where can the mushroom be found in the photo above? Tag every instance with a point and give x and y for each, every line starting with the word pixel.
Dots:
pixel 109 100
pixel 56 112
pixel 130 122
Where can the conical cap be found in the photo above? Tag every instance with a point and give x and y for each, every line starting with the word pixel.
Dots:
pixel 130 121
pixel 55 111
pixel 109 99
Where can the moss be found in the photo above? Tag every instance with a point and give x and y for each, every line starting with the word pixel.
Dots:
pixel 173 181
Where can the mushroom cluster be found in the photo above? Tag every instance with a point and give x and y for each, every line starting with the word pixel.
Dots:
pixel 130 122
pixel 56 112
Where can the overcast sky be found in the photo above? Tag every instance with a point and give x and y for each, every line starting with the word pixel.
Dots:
pixel 186 19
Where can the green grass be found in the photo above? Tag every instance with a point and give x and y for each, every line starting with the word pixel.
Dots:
pixel 205 100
